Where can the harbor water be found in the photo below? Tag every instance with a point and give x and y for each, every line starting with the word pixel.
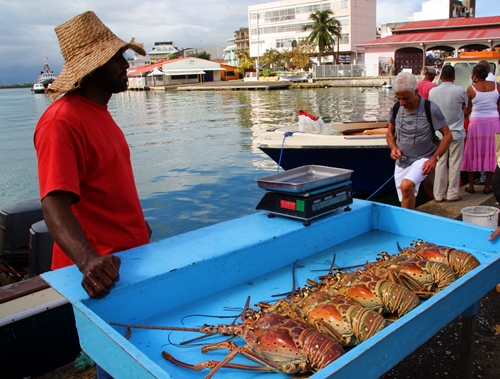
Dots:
pixel 192 152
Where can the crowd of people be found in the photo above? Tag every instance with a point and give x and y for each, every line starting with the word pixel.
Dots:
pixel 425 112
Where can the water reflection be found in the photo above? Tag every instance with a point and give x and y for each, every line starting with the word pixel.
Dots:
pixel 192 151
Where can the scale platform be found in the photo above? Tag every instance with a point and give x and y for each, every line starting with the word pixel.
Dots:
pixel 308 205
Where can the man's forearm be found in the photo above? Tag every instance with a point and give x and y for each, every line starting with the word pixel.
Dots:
pixel 66 230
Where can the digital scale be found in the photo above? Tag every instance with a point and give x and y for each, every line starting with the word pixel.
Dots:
pixel 306 192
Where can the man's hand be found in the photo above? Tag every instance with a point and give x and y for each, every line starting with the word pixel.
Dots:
pixel 396 153
pixel 100 275
pixel 429 166
pixel 99 272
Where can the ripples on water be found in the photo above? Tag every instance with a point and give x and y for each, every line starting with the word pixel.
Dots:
pixel 192 151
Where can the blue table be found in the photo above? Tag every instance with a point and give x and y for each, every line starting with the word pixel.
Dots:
pixel 207 270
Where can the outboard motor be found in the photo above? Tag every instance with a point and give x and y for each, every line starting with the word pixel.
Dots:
pixel 16 230
pixel 15 222
pixel 40 247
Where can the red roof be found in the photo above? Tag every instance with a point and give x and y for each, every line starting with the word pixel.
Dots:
pixel 434 36
pixel 451 23
pixel 437 31
pixel 151 67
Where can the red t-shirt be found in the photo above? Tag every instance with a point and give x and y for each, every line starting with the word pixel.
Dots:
pixel 82 150
pixel 424 87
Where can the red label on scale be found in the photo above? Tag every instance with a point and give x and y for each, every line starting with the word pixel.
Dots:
pixel 286 204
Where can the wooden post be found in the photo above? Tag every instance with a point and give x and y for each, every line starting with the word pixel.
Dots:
pixel 467 343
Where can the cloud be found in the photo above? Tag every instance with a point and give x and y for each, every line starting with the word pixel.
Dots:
pixel 389 11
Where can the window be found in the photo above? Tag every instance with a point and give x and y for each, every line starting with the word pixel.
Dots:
pixel 344 20
pixel 191 76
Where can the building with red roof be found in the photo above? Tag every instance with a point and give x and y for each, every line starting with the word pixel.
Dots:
pixel 409 45
pixel 173 72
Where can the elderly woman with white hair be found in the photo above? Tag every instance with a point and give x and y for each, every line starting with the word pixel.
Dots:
pixel 411 138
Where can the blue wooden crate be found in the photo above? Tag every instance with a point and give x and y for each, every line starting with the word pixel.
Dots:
pixel 206 271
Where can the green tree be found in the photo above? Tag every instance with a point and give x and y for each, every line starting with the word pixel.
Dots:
pixel 202 55
pixel 272 58
pixel 300 57
pixel 323 29
pixel 244 59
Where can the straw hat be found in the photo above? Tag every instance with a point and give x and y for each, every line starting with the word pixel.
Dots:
pixel 86 44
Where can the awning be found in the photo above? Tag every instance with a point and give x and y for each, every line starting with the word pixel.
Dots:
pixel 156 72
pixel 170 73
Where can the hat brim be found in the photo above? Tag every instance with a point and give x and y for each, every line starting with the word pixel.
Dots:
pixel 80 66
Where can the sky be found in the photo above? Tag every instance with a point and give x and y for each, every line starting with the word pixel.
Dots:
pixel 27 26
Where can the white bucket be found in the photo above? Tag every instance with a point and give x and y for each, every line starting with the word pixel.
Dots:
pixel 481 215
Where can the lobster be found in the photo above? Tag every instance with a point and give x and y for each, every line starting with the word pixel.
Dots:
pixel 277 343
pixel 388 298
pixel 460 261
pixel 423 277
pixel 346 321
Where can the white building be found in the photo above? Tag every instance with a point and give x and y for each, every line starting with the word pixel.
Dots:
pixel 174 72
pixel 162 51
pixel 137 60
pixel 445 9
pixel 278 25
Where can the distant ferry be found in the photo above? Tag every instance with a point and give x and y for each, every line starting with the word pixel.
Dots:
pixel 45 79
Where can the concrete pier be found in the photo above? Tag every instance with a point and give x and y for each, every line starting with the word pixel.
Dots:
pixel 454 209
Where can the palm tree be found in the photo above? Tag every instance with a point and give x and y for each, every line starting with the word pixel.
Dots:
pixel 324 28
pixel 244 59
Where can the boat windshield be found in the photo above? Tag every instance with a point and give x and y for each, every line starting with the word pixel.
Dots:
pixel 463 72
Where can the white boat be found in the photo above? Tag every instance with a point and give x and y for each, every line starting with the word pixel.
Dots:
pixel 358 146
pixel 45 79
pixel 386 85
pixel 38 88
pixel 294 78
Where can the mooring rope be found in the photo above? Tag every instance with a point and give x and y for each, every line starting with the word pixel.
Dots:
pixel 369 197
pixel 286 134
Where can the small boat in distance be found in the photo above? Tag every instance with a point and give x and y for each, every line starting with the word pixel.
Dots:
pixel 38 88
pixel 386 85
pixel 45 79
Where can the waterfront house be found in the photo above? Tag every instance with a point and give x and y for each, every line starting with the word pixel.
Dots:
pixel 175 72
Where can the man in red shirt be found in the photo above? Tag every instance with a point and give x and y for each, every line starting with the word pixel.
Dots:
pixel 89 198
pixel 425 85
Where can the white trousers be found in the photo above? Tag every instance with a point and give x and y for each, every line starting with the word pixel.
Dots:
pixel 448 172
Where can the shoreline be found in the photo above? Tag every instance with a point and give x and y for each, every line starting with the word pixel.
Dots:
pixel 271 83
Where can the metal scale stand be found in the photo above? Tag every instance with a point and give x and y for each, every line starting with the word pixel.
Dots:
pixel 306 192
